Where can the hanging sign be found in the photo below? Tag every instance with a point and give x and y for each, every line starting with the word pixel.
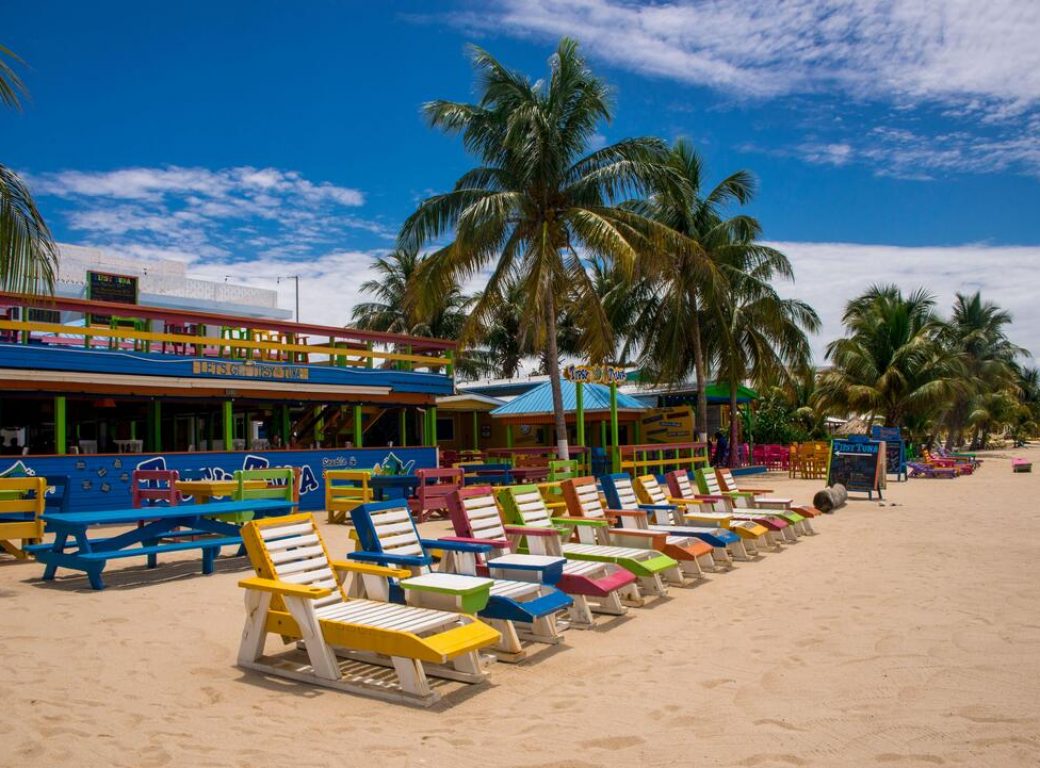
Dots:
pixel 595 374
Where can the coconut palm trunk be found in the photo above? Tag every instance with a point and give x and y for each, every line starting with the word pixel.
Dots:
pixel 734 424
pixel 698 369
pixel 553 369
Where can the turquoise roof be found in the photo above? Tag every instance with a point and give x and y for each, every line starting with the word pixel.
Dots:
pixel 596 397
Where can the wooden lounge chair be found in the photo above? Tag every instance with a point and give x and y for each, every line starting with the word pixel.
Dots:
pixel 388 536
pixel 728 483
pixel 700 510
pixel 524 508
pixel 665 511
pixel 593 586
pixel 919 469
pixel 739 504
pixel 761 499
pixel 433 490
pixel 21 504
pixel 693 554
pixel 298 594
pixel 344 490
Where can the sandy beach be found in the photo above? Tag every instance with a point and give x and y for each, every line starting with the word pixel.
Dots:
pixel 907 633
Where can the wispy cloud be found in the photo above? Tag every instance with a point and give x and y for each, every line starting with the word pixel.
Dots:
pixel 973 66
pixel 829 274
pixel 231 213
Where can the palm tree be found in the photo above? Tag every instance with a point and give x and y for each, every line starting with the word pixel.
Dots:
pixel 538 205
pixel 890 362
pixel 754 334
pixel 671 325
pixel 975 334
pixel 28 255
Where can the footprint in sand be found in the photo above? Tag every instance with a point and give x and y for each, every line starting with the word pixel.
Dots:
pixel 889 757
pixel 768 758
pixel 716 682
pixel 613 742
pixel 780 724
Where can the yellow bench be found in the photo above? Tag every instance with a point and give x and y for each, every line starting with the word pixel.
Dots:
pixel 344 490
pixel 20 513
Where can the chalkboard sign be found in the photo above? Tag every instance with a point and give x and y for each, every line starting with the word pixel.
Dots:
pixel 102 286
pixel 859 464
pixel 895 449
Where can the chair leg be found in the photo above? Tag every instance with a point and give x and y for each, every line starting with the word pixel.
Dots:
pixel 509 647
pixel 251 647
pixel 322 659
pixel 579 614
pixel 411 676
pixel 707 562
pixel 653 584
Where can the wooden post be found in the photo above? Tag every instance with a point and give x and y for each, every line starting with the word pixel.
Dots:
pixel 402 427
pixel 476 430
pixel 155 425
pixel 359 434
pixel 433 426
pixel 579 394
pixel 229 426
pixel 615 461
pixel 509 435
pixel 59 425
pixel 286 426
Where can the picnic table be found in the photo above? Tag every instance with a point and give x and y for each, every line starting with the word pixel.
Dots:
pixel 488 474
pixel 405 486
pixel 164 529
pixel 529 474
pixel 204 491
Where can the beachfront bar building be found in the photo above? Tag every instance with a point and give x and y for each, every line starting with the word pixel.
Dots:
pixel 94 388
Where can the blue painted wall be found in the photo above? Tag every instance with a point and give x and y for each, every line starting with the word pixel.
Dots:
pixel 103 481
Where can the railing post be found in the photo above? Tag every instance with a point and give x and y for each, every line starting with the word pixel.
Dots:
pixel 476 430
pixel 59 425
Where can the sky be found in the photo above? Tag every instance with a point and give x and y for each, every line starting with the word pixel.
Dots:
pixel 893 141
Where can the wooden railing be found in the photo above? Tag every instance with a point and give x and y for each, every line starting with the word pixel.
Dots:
pixel 657 458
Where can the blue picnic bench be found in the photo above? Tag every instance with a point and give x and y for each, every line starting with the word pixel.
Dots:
pixel 161 529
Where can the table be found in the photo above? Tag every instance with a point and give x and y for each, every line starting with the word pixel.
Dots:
pixel 529 474
pixel 404 484
pixel 543 569
pixel 204 491
pixel 72 548
pixel 447 592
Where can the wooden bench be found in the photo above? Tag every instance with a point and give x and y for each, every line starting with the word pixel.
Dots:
pixel 344 490
pixel 72 548
pixel 21 507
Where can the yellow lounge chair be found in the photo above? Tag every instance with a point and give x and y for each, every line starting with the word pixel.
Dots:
pixel 20 513
pixel 298 593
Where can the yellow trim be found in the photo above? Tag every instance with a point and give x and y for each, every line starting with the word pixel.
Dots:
pixel 284 588
pixel 363 355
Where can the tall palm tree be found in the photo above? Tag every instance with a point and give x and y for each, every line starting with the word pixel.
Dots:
pixel 754 334
pixel 889 363
pixel 691 280
pixel 537 204
pixel 28 255
pixel 976 334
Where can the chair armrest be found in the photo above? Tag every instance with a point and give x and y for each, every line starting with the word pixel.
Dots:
pixel 708 497
pixel 381 558
pixel 369 569
pixel 651 507
pixel 575 520
pixel 284 588
pixel 755 491
pixel 493 543
pixel 531 530
pixel 626 512
pixel 452 545
pixel 633 532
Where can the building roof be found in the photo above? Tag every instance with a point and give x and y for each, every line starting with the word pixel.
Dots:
pixel 596 397
pixel 469 401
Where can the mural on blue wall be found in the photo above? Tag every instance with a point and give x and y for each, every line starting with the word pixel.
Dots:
pixel 103 481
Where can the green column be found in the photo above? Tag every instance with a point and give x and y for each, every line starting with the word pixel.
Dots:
pixel 579 394
pixel 286 426
pixel 476 431
pixel 59 425
pixel 509 435
pixel 603 434
pixel 359 433
pixel 402 427
pixel 229 426
pixel 615 452
pixel 319 425
pixel 155 426
pixel 433 426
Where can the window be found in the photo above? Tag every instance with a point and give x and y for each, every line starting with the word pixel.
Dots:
pixel 445 430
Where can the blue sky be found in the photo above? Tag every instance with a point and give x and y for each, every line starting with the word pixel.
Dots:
pixel 891 142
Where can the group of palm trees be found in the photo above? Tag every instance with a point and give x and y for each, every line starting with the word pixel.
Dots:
pixel 615 254
pixel 625 254
pixel 902 364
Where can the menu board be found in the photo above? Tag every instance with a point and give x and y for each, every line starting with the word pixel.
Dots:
pixel 119 289
pixel 858 463
pixel 895 448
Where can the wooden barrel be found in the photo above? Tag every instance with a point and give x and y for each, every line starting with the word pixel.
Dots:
pixel 831 498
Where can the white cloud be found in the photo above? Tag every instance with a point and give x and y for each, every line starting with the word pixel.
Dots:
pixel 829 274
pixel 975 65
pixel 228 213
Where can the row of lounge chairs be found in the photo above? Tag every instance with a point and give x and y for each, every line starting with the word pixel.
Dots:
pixel 515 574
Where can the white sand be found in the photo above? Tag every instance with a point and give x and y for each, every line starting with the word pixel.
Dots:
pixel 904 634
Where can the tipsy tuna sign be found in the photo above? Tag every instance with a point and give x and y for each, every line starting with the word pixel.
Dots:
pixel 103 481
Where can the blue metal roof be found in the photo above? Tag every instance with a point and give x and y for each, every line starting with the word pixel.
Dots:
pixel 596 397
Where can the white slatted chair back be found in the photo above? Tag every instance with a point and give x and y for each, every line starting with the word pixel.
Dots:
pixel 397 533
pixel 295 553
pixel 588 500
pixel 653 489
pixel 727 478
pixel 532 509
pixel 711 483
pixel 685 486
pixel 626 492
pixel 484 519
